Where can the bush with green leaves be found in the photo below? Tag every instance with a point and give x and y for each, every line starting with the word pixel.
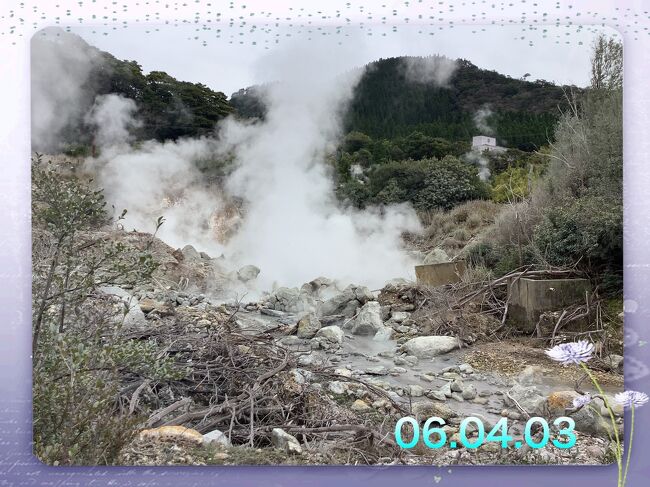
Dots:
pixel 448 183
pixel 79 357
pixel 588 232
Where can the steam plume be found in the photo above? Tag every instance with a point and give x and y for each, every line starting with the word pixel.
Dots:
pixel 436 70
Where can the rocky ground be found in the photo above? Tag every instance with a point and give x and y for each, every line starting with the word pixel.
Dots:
pixel 321 373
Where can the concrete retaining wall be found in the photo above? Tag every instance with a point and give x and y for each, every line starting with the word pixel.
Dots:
pixel 440 274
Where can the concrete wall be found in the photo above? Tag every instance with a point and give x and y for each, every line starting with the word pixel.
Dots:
pixel 440 274
pixel 531 297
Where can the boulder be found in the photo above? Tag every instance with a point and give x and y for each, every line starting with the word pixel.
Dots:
pixel 332 334
pixel 190 253
pixel 135 319
pixel 216 437
pixel 344 303
pixel 291 300
pixel 528 397
pixel 368 320
pixel 437 395
pixel 428 409
pixel 308 326
pixel 283 440
pixel 430 346
pixel 363 294
pixel 436 256
pixel 248 273
pixel 416 390
pixel 469 392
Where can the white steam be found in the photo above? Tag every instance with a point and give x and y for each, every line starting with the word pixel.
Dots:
pixel 481 121
pixel 60 66
pixel 436 70
pixel 112 117
pixel 293 227
pixel 478 159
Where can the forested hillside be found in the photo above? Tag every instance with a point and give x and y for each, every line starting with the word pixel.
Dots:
pixel 167 108
pixel 388 104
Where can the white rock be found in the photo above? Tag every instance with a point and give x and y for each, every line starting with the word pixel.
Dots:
pixel 416 390
pixel 383 334
pixel 283 440
pixel 332 333
pixel 343 372
pixel 216 437
pixel 337 387
pixel 248 273
pixel 399 316
pixel 368 320
pixel 430 346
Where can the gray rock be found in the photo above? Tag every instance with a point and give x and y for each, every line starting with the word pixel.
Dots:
pixel 377 370
pixel 614 362
pixel 332 333
pixel 430 346
pixel 383 334
pixel 283 440
pixel 469 392
pixel 457 396
pixel 528 397
pixel 363 294
pixel 252 323
pixel 466 368
pixel 437 395
pixel 216 437
pixel 436 256
pixel 385 313
pixel 340 304
pixel 134 319
pixel 337 387
pixel 308 326
pixel 457 386
pixel 428 409
pixel 416 390
pixel 398 371
pixel 291 300
pixel 248 273
pixel 445 389
pixel 368 320
pixel 272 312
pixel 531 375
pixel 190 253
pixel 399 316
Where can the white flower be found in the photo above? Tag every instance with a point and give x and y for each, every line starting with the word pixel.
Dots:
pixel 581 401
pixel 631 398
pixel 571 353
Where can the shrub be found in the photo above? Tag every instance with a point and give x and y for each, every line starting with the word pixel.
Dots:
pixel 79 358
pixel 448 183
pixel 588 230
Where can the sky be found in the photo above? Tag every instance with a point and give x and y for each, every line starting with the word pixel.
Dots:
pixel 230 56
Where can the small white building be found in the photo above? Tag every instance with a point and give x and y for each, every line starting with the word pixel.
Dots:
pixel 481 143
